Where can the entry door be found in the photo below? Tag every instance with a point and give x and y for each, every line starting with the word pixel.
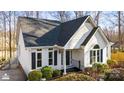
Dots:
pixel 67 57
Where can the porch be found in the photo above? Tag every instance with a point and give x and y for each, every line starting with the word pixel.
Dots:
pixel 72 58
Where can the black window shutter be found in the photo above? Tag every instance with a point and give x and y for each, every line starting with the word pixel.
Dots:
pixel 33 57
pixel 101 55
pixel 90 56
pixel 55 57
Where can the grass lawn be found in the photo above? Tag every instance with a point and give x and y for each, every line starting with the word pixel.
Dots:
pixel 118 56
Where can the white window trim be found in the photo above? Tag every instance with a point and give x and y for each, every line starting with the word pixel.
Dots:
pixel 36 58
pixel 52 57
pixel 96 56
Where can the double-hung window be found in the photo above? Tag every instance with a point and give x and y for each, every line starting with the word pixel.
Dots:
pixel 52 56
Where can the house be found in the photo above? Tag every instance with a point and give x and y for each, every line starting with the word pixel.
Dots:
pixel 76 43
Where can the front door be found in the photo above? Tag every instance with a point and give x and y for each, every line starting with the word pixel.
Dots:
pixel 67 57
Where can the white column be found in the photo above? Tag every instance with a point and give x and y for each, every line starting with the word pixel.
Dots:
pixel 64 61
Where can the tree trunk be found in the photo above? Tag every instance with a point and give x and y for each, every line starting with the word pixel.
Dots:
pixel 10 35
pixel 119 29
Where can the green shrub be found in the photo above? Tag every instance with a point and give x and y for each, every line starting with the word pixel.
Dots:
pixel 112 63
pixel 75 77
pixel 56 73
pixel 116 74
pixel 34 75
pixel 105 67
pixel 47 72
pixel 99 68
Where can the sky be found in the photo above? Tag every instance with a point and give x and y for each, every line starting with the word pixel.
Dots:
pixel 105 18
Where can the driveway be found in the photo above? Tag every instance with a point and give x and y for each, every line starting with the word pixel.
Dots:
pixel 12 73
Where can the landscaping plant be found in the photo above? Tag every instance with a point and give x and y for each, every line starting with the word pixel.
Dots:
pixel 112 63
pixel 75 77
pixel 116 74
pixel 47 72
pixel 56 73
pixel 34 75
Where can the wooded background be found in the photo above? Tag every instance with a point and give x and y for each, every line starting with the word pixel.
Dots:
pixel 112 24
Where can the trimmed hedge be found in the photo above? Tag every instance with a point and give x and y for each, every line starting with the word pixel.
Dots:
pixel 75 77
pixel 56 73
pixel 34 75
pixel 47 72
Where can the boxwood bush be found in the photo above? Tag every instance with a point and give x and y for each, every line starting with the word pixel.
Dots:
pixel 47 72
pixel 34 75
pixel 56 73
pixel 99 68
pixel 75 77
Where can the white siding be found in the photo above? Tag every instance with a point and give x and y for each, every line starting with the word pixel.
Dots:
pixel 79 56
pixel 79 36
pixel 24 56
pixel 44 57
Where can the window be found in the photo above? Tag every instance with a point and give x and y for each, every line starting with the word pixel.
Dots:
pixel 96 54
pixel 33 59
pixel 39 59
pixel 51 58
pixel 55 57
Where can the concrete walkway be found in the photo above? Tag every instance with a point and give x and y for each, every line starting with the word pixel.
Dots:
pixel 12 72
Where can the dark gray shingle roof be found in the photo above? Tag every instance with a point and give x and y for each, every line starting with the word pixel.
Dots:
pixel 48 32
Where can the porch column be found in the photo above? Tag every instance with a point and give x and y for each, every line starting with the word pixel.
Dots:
pixel 64 61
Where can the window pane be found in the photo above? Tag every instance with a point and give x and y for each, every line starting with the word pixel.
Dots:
pixel 39 49
pixel 55 57
pixel 50 61
pixel 39 59
pixel 96 47
pixel 94 53
pixel 50 54
pixel 50 48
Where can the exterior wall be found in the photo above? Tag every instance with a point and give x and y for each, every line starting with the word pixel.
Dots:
pixel 96 39
pixel 78 55
pixel 23 55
